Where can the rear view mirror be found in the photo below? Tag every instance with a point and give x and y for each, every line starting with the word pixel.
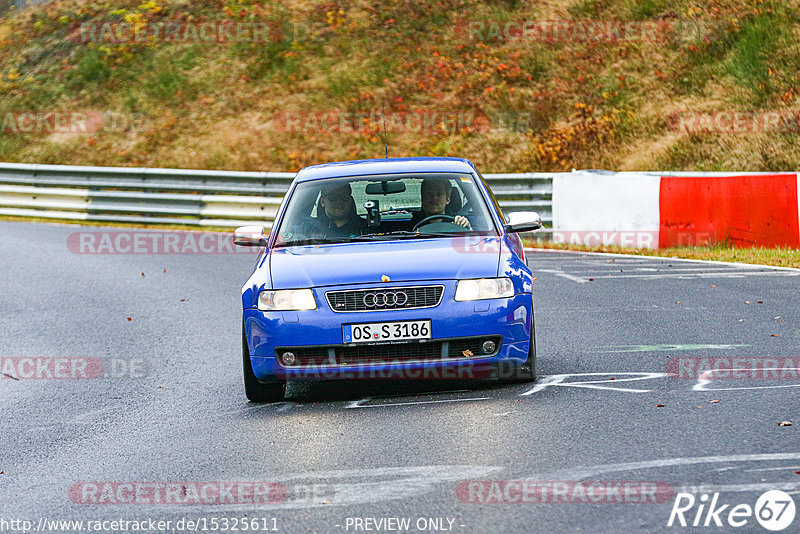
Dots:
pixel 385 188
pixel 250 236
pixel 523 221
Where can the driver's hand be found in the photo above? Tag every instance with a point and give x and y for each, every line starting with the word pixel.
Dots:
pixel 462 221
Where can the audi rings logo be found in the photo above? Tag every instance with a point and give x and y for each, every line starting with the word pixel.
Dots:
pixel 388 299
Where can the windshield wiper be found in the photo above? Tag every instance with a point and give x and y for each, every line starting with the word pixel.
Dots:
pixel 321 241
pixel 417 233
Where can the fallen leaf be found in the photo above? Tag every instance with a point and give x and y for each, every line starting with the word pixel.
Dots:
pixel 142 275
pixel 165 270
pixel 658 405
pixel 183 300
pixel 130 319
pixel 160 387
pixel 774 335
pixel 785 423
pixel 535 278
pixel 760 302
pixel 612 378
pixel 591 279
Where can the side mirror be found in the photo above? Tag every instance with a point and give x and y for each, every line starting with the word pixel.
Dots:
pixel 523 221
pixel 250 236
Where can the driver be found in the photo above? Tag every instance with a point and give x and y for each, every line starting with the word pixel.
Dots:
pixel 435 198
pixel 337 212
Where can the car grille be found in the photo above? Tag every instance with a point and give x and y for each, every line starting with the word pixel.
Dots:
pixel 456 349
pixel 385 298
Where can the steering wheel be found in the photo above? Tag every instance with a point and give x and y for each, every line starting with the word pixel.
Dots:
pixel 426 220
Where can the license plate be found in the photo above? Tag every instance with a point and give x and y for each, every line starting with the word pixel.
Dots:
pixel 366 332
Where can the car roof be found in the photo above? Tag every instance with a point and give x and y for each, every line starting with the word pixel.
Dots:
pixel 384 166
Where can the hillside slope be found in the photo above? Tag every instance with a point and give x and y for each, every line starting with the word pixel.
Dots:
pixel 457 78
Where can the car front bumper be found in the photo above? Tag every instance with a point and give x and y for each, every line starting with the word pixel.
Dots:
pixel 507 320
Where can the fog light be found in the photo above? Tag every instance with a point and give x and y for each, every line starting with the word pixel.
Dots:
pixel 488 346
pixel 288 358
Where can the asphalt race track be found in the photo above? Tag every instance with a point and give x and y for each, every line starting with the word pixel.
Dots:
pixel 170 406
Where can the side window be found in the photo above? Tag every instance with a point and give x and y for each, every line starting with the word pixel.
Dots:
pixel 491 196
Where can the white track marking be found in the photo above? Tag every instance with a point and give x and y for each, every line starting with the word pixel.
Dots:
pixel 720 274
pixel 352 486
pixel 558 381
pixel 663 258
pixel 703 380
pixel 580 473
pixel 584 277
pixel 359 404
pixel 793 468
pixel 562 274
pixel 665 348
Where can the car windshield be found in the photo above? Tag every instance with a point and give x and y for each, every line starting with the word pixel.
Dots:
pixel 383 207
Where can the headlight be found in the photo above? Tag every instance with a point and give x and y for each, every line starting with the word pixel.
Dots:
pixel 287 299
pixel 484 288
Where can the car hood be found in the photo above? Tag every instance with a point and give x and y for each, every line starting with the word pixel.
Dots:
pixel 402 261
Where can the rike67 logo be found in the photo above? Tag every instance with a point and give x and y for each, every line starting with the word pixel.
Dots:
pixel 774 510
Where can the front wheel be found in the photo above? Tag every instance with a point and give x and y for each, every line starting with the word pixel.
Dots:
pixel 527 371
pixel 255 390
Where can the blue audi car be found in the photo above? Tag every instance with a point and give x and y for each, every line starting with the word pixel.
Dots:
pixel 402 268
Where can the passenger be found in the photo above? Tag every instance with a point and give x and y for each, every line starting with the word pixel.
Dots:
pixel 435 198
pixel 336 212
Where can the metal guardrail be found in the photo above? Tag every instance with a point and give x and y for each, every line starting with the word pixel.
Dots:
pixel 192 197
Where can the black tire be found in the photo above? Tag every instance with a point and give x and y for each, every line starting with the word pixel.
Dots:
pixel 527 371
pixel 254 389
